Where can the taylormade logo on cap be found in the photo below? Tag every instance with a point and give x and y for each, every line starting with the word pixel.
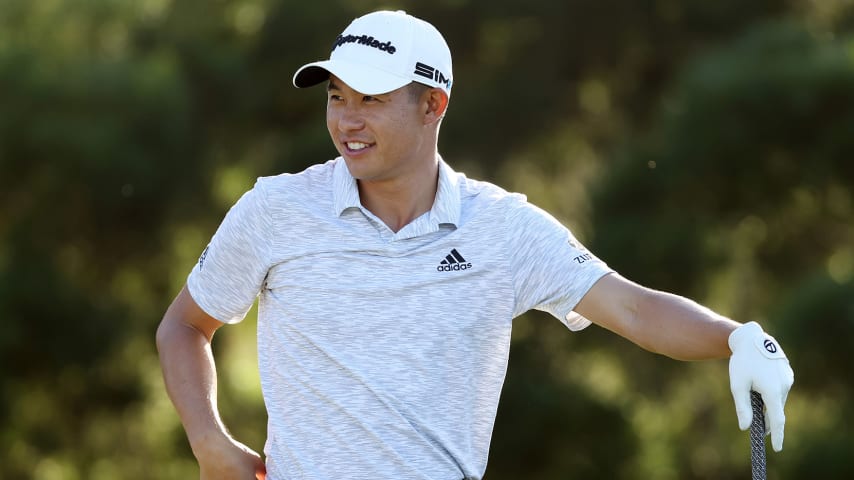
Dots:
pixel 364 40
pixel 383 51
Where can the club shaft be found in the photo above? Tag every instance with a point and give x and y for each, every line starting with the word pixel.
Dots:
pixel 757 438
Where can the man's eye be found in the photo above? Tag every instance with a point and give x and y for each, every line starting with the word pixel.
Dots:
pixel 335 98
pixel 368 98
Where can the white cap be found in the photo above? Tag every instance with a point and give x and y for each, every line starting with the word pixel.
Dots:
pixel 383 51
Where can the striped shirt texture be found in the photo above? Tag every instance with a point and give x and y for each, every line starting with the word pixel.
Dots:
pixel 382 354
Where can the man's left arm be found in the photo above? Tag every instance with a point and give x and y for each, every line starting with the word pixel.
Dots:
pixel 657 321
pixel 682 329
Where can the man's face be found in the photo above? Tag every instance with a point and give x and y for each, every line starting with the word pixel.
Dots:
pixel 379 136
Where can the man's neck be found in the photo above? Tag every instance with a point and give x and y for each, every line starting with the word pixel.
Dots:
pixel 400 200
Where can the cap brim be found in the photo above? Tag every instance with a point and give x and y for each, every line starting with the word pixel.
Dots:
pixel 363 79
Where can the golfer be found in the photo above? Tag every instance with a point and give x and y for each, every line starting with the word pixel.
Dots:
pixel 387 286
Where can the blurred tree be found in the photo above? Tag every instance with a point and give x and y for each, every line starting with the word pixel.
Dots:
pixel 741 193
pixel 97 144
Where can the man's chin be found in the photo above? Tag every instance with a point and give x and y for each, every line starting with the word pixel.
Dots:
pixel 358 168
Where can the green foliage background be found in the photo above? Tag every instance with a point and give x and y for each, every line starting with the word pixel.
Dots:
pixel 705 148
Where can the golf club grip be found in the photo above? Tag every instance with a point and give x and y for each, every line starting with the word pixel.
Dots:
pixel 757 438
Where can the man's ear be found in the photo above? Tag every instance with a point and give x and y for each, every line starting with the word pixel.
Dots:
pixel 437 105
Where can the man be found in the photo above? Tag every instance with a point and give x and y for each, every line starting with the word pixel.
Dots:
pixel 388 283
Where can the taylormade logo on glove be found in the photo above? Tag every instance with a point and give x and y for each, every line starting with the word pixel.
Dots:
pixel 758 363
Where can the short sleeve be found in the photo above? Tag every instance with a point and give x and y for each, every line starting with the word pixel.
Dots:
pixel 232 269
pixel 552 271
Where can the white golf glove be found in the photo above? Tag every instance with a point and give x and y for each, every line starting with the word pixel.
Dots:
pixel 758 363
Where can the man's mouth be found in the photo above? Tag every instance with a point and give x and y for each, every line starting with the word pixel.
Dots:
pixel 356 146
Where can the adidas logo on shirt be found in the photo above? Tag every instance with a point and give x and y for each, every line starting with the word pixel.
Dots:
pixel 453 262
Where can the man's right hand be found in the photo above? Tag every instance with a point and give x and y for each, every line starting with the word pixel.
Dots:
pixel 184 343
pixel 228 459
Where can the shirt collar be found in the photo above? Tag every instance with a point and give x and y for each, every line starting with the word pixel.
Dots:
pixel 446 206
pixel 345 192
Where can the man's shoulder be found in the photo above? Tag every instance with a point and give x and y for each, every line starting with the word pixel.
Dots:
pixel 512 207
pixel 309 192
pixel 486 203
pixel 313 178
pixel 474 192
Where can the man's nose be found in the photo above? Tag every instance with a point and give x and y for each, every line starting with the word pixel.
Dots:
pixel 351 119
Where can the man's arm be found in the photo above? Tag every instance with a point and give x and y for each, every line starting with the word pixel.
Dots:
pixel 657 321
pixel 184 344
pixel 680 328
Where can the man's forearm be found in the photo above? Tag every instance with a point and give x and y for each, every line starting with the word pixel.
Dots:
pixel 681 328
pixel 190 376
